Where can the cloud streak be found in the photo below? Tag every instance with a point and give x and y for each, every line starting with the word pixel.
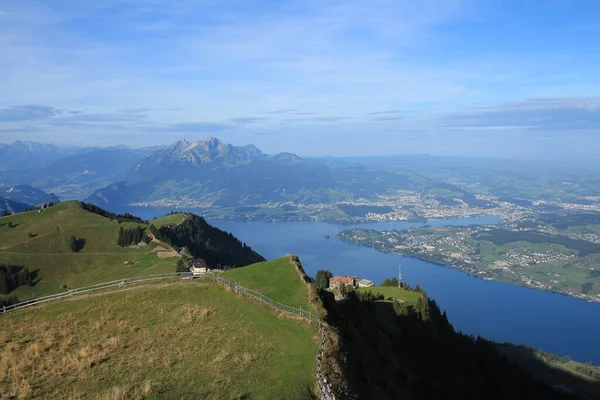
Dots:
pixel 548 114
pixel 27 113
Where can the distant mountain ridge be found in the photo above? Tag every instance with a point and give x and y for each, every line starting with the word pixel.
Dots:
pixel 220 174
pixel 76 175
pixel 21 155
pixel 10 206
pixel 27 195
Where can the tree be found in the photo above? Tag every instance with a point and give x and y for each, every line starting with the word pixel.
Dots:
pixel 121 237
pixel 322 278
pixel 3 283
pixel 344 290
pixel 5 213
pixel 13 276
pixel 394 282
pixel 74 247
pixel 181 267
pixel 76 244
pixel 133 236
pixel 400 308
pixel 321 282
pixel 23 277
pixel 422 308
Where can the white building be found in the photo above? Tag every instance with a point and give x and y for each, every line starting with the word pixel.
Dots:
pixel 365 283
pixel 198 267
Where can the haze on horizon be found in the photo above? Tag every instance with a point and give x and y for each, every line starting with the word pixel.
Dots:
pixel 448 77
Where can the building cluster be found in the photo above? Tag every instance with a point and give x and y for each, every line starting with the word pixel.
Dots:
pixel 405 205
pixel 337 282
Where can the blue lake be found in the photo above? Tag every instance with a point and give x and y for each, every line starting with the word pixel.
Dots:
pixel 494 310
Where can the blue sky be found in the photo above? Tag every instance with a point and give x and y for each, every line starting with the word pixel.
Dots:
pixel 450 77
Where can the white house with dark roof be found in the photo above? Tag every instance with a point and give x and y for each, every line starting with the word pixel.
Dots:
pixel 198 266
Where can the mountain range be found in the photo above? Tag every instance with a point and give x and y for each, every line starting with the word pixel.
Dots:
pixel 76 175
pixel 217 174
pixel 28 195
pixel 21 155
pixel 10 206
pixel 206 174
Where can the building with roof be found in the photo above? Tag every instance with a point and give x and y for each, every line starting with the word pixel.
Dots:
pixel 336 282
pixel 365 283
pixel 198 266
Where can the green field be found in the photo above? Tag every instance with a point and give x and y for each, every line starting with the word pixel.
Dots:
pixel 41 241
pixel 171 219
pixel 391 292
pixel 277 279
pixel 168 341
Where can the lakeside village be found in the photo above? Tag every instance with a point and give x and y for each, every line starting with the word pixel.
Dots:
pixel 402 205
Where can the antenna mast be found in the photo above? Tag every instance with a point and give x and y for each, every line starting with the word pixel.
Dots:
pixel 399 274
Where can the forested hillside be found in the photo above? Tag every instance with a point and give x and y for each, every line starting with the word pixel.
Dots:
pixel 216 247
pixel 390 351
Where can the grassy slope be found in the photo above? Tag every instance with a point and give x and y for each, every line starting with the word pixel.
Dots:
pixel 100 260
pixel 171 219
pixel 277 279
pixel 407 296
pixel 184 341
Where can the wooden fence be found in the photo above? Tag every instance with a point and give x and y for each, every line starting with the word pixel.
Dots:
pixel 324 387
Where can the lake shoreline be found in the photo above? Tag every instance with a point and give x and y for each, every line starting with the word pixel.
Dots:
pixel 456 268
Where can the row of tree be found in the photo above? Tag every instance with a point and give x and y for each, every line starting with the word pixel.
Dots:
pixel 13 276
pixel 129 237
pixel 394 282
pixel 126 217
pixel 391 282
pixel 216 247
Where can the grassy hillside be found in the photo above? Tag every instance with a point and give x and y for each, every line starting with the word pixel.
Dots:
pixel 171 219
pixel 408 296
pixel 277 279
pixel 41 240
pixel 171 341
